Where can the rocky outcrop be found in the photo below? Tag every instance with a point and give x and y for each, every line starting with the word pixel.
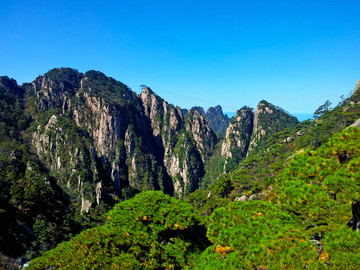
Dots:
pixel 91 141
pixel 72 163
pixel 199 109
pixel 268 119
pixel 217 119
pixel 249 131
pixel 165 118
pixel 184 143
pixel 237 138
pixel 356 124
pixel 199 128
pixel 55 88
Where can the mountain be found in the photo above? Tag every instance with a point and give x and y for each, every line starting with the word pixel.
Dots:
pixel 123 140
pixel 249 131
pixel 237 139
pixel 218 121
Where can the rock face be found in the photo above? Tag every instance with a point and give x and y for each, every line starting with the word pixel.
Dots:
pixel 237 138
pixel 249 131
pixel 100 138
pixel 268 119
pixel 55 88
pixel 200 110
pixel 205 139
pixel 217 120
pixel 185 142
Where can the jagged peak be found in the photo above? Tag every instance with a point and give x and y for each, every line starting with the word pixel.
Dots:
pixel 267 107
pixel 217 108
pixel 147 92
pixel 199 109
pixel 243 111
pixel 264 103
pixel 244 108
pixel 66 78
pixel 195 112
pixel 63 75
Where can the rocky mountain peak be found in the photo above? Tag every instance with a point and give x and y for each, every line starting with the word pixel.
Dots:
pixel 269 119
pixel 200 110
pixel 237 138
pixel 56 87
pixel 202 133
pixel 217 119
pixel 217 109
pixel 150 102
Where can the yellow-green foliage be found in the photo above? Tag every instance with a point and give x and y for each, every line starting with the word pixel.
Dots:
pixel 319 186
pixel 252 235
pixel 321 190
pixel 150 231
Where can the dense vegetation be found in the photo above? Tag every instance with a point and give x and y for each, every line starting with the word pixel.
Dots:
pixel 150 231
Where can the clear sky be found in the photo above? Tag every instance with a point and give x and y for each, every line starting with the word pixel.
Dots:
pixel 294 54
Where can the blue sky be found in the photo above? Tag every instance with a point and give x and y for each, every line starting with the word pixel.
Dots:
pixel 294 54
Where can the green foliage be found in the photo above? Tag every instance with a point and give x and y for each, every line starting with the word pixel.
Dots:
pixel 35 211
pixel 204 203
pixel 12 118
pixel 255 235
pixel 341 249
pixel 214 167
pixel 222 187
pixel 150 231
pixel 319 186
pixel 322 109
pixel 270 123
pixel 321 190
pixel 110 90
